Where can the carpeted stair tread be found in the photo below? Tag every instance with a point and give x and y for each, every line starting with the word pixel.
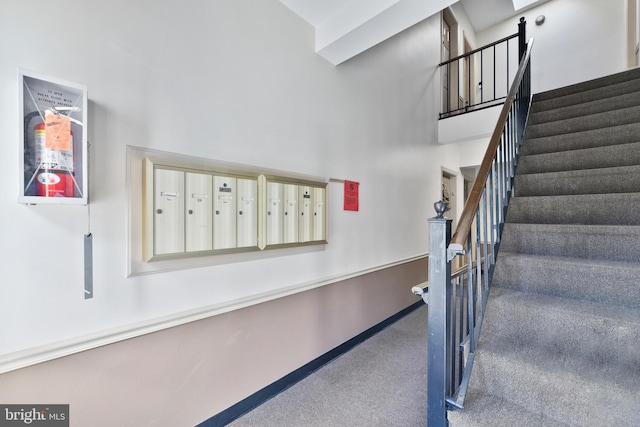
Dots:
pixel 557 386
pixel 561 276
pixel 615 135
pixel 605 242
pixel 578 124
pixel 586 158
pixel 594 209
pixel 604 83
pixel 623 179
pixel 586 95
pixel 608 337
pixel 623 376
pixel 492 411
pixel 592 107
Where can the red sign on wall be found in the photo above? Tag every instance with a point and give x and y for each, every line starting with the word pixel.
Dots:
pixel 351 196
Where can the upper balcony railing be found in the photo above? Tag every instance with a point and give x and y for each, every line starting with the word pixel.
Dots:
pixel 482 77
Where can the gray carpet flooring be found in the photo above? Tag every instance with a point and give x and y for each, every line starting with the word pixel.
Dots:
pixel 381 382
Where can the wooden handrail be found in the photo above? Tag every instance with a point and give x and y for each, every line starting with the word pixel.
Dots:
pixel 473 201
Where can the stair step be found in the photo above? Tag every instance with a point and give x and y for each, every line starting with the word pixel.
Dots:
pixel 589 334
pixel 585 280
pixel 604 242
pixel 586 158
pixel 575 393
pixel 603 83
pixel 486 410
pixel 578 124
pixel 594 209
pixel 588 108
pixel 624 179
pixel 584 96
pixel 616 135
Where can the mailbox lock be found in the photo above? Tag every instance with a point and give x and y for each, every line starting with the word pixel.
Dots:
pixel 190 211
pixel 159 211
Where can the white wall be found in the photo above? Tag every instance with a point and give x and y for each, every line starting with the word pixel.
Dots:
pixel 478 125
pixel 235 81
pixel 579 40
pixel 464 27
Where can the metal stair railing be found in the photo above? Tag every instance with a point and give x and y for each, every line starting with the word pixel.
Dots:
pixel 457 302
pixel 481 78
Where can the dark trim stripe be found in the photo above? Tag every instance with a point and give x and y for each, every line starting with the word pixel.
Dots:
pixel 256 399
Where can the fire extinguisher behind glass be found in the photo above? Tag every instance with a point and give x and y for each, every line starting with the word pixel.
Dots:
pixel 54 158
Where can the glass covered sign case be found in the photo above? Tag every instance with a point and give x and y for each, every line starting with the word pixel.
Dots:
pixel 53 140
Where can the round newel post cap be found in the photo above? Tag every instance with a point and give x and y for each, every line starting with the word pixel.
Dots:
pixel 440 207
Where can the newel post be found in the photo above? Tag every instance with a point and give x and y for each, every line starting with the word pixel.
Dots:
pixel 438 362
pixel 522 38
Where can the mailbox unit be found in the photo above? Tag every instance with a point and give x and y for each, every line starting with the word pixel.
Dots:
pixel 193 211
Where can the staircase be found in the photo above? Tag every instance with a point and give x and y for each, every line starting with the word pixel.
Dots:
pixel 560 342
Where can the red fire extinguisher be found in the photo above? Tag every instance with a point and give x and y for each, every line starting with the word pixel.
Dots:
pixel 55 174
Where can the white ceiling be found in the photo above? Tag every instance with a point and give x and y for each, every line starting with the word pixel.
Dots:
pixel 345 28
pixel 313 11
pixel 486 13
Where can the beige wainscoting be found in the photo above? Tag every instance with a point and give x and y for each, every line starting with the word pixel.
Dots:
pixel 184 375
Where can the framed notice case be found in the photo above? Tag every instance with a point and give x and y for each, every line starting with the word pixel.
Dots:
pixel 53 140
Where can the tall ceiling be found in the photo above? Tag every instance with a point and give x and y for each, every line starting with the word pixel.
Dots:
pixel 345 28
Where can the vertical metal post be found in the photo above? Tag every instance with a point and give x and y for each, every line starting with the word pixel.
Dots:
pixel 448 87
pixel 522 38
pixel 458 85
pixel 481 77
pixel 508 76
pixel 494 72
pixel 439 283
pixel 469 80
pixel 485 254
